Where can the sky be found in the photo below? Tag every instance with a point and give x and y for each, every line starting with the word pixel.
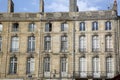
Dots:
pixel 58 5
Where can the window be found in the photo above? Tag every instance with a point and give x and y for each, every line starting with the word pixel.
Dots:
pixel 14 44
pixel 31 27
pixel 109 67
pixel 108 43
pixel 47 43
pixel 64 43
pixel 15 27
pixel 108 25
pixel 82 26
pixel 46 64
pixel 94 26
pixel 30 65
pixel 82 44
pixel 0 43
pixel 64 27
pixel 96 67
pixel 83 67
pixel 1 26
pixel 95 43
pixel 13 65
pixel 48 27
pixel 63 67
pixel 31 43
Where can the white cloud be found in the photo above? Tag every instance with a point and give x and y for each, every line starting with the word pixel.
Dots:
pixel 63 5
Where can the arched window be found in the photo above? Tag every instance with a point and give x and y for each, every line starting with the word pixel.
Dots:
pixel 96 67
pixel 108 25
pixel 95 43
pixel 1 27
pixel 48 27
pixel 15 44
pixel 108 43
pixel 83 67
pixel 94 26
pixel 82 43
pixel 13 65
pixel 109 67
pixel 32 27
pixel 30 65
pixel 82 26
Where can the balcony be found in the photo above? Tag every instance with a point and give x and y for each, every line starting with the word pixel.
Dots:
pixel 108 49
pixel 14 49
pixel 95 49
pixel 31 50
pixel 82 50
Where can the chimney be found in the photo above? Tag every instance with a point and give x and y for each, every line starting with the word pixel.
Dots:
pixel 115 6
pixel 73 6
pixel 41 5
pixel 10 6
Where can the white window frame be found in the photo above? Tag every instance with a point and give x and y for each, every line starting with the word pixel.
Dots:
pixel 109 67
pixel 95 43
pixel 47 43
pixel 13 65
pixel 31 44
pixel 30 65
pixel 32 27
pixel 15 44
pixel 108 25
pixel 96 67
pixel 48 27
pixel 94 26
pixel 109 45
pixel 47 66
pixel 83 67
pixel 64 43
pixel 64 27
pixel 1 27
pixel 82 43
pixel 82 26
pixel 64 66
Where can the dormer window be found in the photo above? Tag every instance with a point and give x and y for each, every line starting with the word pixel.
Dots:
pixel 48 27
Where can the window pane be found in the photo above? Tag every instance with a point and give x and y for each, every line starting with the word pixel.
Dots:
pixel 47 64
pixel 82 26
pixel 15 44
pixel 64 27
pixel 15 27
pixel 13 65
pixel 64 44
pixel 47 42
pixel 48 27
pixel 31 43
pixel 31 27
pixel 1 26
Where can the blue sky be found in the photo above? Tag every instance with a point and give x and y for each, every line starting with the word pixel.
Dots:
pixel 58 5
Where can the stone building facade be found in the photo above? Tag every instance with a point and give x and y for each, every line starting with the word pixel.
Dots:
pixel 59 45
